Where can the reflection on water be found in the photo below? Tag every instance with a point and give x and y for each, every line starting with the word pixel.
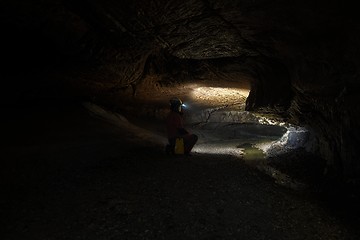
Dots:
pixel 253 143
pixel 238 139
pixel 253 154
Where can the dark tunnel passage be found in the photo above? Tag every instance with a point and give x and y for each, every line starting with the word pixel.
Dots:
pixel 270 87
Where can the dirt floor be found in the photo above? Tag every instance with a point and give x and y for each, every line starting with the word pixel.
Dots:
pixel 68 175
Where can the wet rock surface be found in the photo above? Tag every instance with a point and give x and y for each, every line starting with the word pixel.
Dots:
pixel 89 179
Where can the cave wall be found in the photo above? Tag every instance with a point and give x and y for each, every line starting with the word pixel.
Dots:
pixel 302 56
pixel 324 70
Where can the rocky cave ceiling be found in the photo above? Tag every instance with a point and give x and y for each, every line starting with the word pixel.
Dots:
pixel 302 57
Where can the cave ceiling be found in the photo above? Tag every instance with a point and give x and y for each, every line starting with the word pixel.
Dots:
pixel 193 29
pixel 197 29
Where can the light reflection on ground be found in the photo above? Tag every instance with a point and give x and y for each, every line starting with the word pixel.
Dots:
pixel 216 113
pixel 248 141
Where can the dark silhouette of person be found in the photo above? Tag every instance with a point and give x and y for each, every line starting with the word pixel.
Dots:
pixel 175 128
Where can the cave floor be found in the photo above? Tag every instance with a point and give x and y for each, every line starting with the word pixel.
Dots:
pixel 68 175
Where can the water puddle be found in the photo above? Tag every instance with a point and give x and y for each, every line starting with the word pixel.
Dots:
pixel 247 142
pixel 252 153
pixel 256 157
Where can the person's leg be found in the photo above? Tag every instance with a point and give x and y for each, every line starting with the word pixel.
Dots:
pixel 189 142
pixel 170 148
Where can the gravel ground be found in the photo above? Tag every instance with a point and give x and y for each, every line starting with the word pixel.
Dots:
pixel 67 175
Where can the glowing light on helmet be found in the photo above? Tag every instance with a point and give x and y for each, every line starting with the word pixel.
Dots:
pixel 176 104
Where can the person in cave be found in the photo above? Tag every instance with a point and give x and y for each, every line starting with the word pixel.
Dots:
pixel 175 128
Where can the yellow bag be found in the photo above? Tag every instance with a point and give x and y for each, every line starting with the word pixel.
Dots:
pixel 179 146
